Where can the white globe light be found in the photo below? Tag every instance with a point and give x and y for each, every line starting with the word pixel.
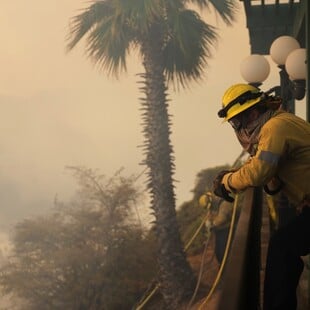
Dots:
pixel 255 68
pixel 281 48
pixel 295 64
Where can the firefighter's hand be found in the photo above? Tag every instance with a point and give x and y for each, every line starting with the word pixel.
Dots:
pixel 219 188
pixel 220 176
pixel 208 225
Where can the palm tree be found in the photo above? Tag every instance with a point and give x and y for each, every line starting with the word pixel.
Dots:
pixel 174 44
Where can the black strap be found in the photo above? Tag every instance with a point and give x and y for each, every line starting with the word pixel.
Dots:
pixel 243 98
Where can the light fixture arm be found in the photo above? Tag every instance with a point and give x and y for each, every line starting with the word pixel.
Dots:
pixel 286 90
pixel 275 89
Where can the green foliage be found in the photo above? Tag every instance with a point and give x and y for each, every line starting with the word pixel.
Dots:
pixel 86 255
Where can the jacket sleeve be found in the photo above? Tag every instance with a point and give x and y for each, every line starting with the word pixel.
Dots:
pixel 263 166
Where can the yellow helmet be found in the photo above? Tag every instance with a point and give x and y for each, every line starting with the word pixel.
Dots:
pixel 205 199
pixel 238 98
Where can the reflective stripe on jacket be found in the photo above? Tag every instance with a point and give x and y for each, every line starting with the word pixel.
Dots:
pixel 284 151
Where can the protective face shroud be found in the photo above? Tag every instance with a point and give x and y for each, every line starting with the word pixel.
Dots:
pixel 238 98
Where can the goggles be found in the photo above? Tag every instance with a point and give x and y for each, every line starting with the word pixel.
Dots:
pixel 243 98
pixel 240 120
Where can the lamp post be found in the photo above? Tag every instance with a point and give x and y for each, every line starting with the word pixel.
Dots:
pixel 285 51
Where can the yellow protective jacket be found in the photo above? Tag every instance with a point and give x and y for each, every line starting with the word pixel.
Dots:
pixel 284 151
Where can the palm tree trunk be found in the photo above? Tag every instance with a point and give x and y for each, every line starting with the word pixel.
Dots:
pixel 175 274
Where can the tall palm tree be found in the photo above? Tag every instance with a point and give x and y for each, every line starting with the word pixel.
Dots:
pixel 174 44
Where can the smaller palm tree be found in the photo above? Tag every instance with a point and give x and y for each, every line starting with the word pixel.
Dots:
pixel 174 44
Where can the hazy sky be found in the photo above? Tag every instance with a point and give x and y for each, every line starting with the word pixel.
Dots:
pixel 58 110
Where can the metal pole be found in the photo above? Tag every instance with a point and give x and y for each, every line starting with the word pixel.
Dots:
pixel 307 103
pixel 285 212
pixel 308 71
pixel 287 91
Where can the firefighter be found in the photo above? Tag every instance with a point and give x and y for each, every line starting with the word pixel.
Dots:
pixel 279 146
pixel 218 221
